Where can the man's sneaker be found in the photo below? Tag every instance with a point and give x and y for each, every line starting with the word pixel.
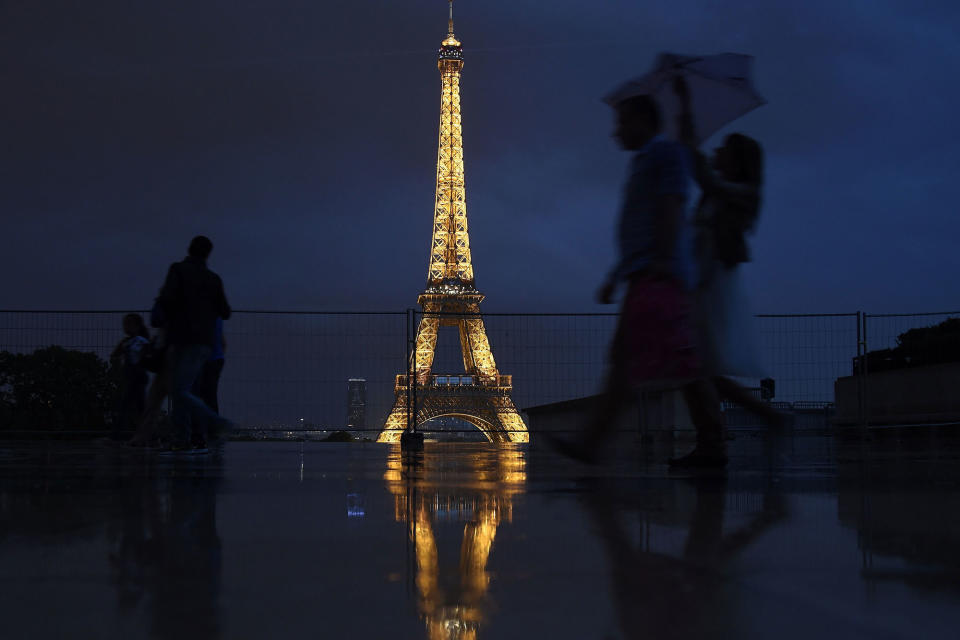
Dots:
pixel 176 449
pixel 184 450
pixel 198 446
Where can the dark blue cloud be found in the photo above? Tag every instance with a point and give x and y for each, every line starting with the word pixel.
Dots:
pixel 301 136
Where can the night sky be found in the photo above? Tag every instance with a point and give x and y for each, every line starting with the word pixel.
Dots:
pixel 301 137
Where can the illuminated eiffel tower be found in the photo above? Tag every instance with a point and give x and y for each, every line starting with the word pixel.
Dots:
pixel 480 396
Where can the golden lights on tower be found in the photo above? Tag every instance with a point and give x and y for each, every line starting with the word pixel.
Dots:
pixel 480 493
pixel 450 249
pixel 482 396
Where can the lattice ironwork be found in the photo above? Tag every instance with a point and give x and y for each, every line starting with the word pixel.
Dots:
pixel 422 494
pixel 450 248
pixel 451 298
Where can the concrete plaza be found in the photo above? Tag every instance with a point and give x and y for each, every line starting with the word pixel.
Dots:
pixel 804 537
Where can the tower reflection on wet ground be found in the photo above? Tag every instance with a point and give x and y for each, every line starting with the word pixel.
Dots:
pixel 430 490
pixel 823 539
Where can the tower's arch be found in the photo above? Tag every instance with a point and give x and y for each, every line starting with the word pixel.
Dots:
pixel 489 431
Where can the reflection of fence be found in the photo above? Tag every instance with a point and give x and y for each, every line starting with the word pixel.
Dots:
pixel 289 370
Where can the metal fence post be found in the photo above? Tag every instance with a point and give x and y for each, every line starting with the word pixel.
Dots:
pixel 865 417
pixel 410 439
pixel 859 370
pixel 410 357
pixel 414 380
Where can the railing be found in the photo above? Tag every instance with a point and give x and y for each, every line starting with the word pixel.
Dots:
pixel 456 380
pixel 289 370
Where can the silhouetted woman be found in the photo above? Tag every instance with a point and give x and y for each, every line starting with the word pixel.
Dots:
pixel 729 206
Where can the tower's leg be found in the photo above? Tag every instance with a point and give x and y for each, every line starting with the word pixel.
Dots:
pixel 426 344
pixel 396 422
pixel 477 355
pixel 513 425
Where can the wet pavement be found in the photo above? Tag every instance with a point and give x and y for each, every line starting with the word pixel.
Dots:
pixel 811 538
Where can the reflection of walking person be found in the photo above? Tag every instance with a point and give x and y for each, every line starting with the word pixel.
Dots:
pixel 133 378
pixel 662 595
pixel 655 339
pixel 192 299
pixel 728 210
pixel 168 560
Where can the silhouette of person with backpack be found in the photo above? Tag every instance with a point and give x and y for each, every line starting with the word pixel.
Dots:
pixel 192 299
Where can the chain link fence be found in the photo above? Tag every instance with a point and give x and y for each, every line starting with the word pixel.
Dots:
pixel 290 370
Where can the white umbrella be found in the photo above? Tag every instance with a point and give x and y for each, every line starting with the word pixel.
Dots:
pixel 720 86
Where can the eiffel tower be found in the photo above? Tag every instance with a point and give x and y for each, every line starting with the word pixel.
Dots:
pixel 480 396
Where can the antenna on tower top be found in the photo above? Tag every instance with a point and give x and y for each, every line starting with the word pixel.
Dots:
pixel 451 44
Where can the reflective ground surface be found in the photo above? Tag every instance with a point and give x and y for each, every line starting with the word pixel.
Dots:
pixel 275 540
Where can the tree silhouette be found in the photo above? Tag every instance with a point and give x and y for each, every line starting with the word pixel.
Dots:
pixel 55 388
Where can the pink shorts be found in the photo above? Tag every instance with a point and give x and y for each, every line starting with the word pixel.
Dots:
pixel 655 343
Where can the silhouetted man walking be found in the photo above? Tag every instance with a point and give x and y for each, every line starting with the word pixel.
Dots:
pixel 192 299
pixel 654 346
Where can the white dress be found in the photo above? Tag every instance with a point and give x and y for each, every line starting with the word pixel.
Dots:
pixel 728 326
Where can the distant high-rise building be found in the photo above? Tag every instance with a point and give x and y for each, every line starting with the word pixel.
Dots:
pixel 357 403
